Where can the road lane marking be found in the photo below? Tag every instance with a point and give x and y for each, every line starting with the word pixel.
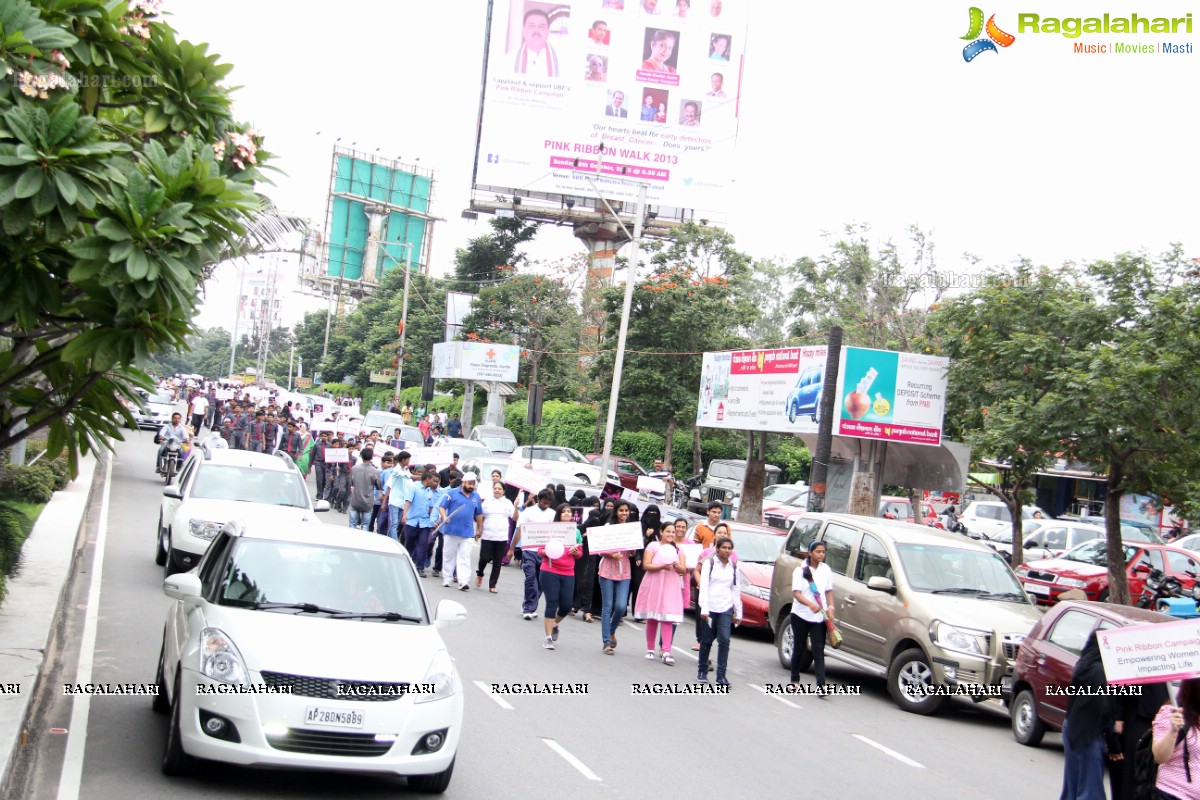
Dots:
pixel 500 701
pixel 903 759
pixel 775 696
pixel 81 705
pixel 572 760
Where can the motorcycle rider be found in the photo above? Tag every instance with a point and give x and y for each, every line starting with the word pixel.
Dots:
pixel 950 519
pixel 166 433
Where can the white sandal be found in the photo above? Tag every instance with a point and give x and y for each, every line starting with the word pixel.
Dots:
pixel 650 655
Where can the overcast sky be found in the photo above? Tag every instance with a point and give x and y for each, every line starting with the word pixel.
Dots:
pixel 850 112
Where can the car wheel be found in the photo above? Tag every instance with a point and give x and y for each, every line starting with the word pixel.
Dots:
pixel 791 413
pixel 785 642
pixel 1027 727
pixel 432 784
pixel 911 670
pixel 816 415
pixel 175 761
pixel 161 704
pixel 160 550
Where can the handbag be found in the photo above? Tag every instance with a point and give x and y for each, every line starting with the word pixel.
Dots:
pixel 834 637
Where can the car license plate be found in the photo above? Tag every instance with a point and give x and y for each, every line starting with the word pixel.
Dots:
pixel 333 717
pixel 1037 588
pixel 1006 684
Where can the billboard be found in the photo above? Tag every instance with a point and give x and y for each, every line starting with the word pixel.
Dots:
pixel 763 390
pixel 378 214
pixel 476 361
pixel 894 397
pixel 659 90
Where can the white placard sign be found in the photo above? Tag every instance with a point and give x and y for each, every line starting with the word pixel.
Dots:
pixel 691 553
pixel 1154 653
pixel 536 535
pixel 524 478
pixel 224 394
pixel 648 485
pixel 337 455
pixel 615 538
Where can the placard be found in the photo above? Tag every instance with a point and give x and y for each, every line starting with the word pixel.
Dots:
pixel 337 455
pixel 615 538
pixel 536 535
pixel 524 478
pixel 691 553
pixel 1154 653
pixel 611 491
pixel 648 485
pixel 224 394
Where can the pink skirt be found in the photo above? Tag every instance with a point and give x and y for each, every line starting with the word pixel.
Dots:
pixel 660 597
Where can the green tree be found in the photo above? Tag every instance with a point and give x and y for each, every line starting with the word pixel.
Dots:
pixel 488 258
pixel 123 179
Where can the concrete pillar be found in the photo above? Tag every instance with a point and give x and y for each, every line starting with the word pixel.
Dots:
pixel 467 417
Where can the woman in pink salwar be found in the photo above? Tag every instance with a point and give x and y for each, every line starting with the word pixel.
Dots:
pixel 660 597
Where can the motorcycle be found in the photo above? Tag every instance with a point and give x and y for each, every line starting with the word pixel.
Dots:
pixel 168 465
pixel 1159 587
pixel 683 490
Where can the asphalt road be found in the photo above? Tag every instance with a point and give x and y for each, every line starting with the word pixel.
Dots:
pixel 606 742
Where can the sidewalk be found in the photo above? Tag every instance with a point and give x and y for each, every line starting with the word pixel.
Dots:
pixel 27 615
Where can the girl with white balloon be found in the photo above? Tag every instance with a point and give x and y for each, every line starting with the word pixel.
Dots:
pixel 558 578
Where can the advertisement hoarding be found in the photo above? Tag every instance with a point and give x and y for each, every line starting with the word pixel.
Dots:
pixel 762 390
pixel 889 396
pixel 476 361
pixel 658 90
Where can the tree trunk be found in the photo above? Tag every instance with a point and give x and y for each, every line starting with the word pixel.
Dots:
pixel 697 459
pixel 1118 585
pixel 670 443
pixel 598 436
pixel 916 498
pixel 750 505
pixel 1018 530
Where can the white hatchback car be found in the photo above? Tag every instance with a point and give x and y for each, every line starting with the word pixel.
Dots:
pixel 306 646
pixel 990 517
pixel 215 486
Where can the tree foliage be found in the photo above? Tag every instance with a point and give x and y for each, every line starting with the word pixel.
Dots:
pixel 123 178
pixel 481 261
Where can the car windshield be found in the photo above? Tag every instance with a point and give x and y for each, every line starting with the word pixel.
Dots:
pixel 249 485
pixel 501 444
pixel 782 494
pixel 761 548
pixel 956 570
pixel 162 399
pixel 1095 552
pixel 1136 533
pixel 574 456
pixel 718 469
pixel 294 578
pixel 1005 536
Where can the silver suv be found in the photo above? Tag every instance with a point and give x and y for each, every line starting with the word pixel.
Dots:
pixel 916 606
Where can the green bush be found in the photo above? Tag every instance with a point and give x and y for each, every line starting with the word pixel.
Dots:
pixel 61 469
pixel 642 446
pixel 567 424
pixel 340 389
pixel 793 458
pixel 30 484
pixel 12 534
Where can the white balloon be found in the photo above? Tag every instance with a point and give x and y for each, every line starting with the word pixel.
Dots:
pixel 555 550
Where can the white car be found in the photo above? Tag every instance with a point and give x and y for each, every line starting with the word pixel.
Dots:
pixel 306 646
pixel 156 411
pixel 990 517
pixel 563 464
pixel 215 486
pixel 464 447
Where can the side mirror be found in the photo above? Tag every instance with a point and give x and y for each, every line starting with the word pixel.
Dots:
pixel 173 490
pixel 881 584
pixel 183 586
pixel 1030 543
pixel 1142 568
pixel 321 505
pixel 449 612
pixel 1033 598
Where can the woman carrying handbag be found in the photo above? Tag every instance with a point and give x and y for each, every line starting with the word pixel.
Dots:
pixel 812 607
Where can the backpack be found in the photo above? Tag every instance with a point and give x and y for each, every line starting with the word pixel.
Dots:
pixel 1145 768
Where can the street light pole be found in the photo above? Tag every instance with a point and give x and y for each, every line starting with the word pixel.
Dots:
pixel 403 316
pixel 237 315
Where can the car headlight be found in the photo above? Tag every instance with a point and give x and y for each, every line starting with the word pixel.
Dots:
pixel 747 587
pixel 961 640
pixel 219 657
pixel 1072 582
pixel 1022 571
pixel 441 674
pixel 204 529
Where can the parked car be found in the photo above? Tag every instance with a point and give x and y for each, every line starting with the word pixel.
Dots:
pixel 805 397
pixel 1047 658
pixel 896 508
pixel 499 440
pixel 989 517
pixel 386 422
pixel 756 547
pixel 916 606
pixel 483 466
pixel 464 447
pixel 336 623
pixel 1052 538
pixel 784 498
pixel 216 486
pixel 1002 542
pixel 1190 543
pixel 723 480
pixel 627 468
pixel 1086 568
pixel 563 464
pixel 155 411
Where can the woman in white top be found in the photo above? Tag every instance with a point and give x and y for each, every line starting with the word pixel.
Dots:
pixel 497 511
pixel 812 604
pixel 720 607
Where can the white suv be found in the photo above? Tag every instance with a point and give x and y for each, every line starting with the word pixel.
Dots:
pixel 991 517
pixel 563 464
pixel 216 486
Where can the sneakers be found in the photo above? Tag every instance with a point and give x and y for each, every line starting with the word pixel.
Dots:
pixel 526 615
pixel 649 655
pixel 464 587
pixel 421 573
pixel 702 676
pixel 548 644
pixel 437 573
pixel 554 633
pixel 722 680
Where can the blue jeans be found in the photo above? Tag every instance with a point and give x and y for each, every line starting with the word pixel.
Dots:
pixel 559 591
pixel 531 565
pixel 360 519
pixel 393 520
pixel 721 629
pixel 615 598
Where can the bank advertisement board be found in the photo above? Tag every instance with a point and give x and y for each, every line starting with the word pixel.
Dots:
pixel 476 361
pixel 899 397
pixel 658 87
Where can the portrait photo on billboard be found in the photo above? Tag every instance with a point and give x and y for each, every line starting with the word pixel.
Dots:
pixel 689 113
pixel 661 51
pixel 613 5
pixel 599 34
pixel 535 28
pixel 596 68
pixel 654 105
pixel 616 105
pixel 719 46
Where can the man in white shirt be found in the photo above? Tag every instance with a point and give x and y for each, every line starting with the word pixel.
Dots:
pixel 531 560
pixel 535 56
pixel 663 474
pixel 812 603
pixel 718 85
pixel 199 411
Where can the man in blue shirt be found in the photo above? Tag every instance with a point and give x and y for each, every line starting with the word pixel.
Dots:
pixel 377 514
pixel 461 513
pixel 400 488
pixel 416 512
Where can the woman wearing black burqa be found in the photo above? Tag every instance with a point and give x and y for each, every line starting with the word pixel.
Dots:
pixel 1085 731
pixel 1134 716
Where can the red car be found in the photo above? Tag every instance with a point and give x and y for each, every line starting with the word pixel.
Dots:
pixel 627 468
pixel 756 548
pixel 1047 657
pixel 1086 568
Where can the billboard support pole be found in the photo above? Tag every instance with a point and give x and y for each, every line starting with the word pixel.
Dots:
pixel 820 462
pixel 619 362
pixel 403 315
